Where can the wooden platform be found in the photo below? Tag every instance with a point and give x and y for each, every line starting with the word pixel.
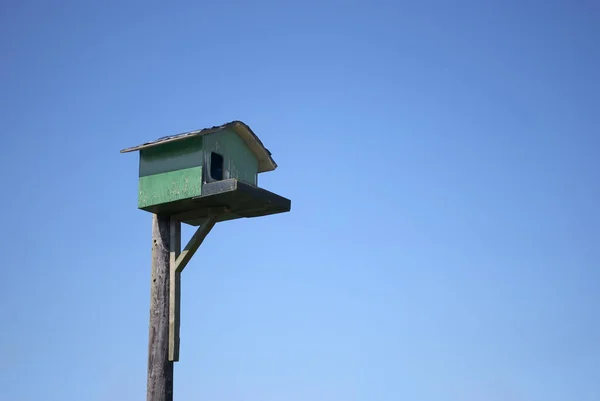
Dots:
pixel 237 198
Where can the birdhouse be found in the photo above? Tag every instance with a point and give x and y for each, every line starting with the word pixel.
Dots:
pixel 190 175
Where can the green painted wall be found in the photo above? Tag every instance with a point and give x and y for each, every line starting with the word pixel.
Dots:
pixel 174 171
pixel 169 186
pixel 239 161
pixel 171 156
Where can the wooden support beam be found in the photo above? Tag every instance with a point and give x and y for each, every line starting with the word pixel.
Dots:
pixel 196 240
pixel 174 290
pixel 160 369
pixel 177 262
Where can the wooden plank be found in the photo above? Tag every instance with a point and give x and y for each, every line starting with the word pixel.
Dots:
pixel 174 291
pixel 171 157
pixel 169 187
pixel 160 369
pixel 195 242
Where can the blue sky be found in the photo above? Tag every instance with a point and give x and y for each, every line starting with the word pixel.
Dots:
pixel 442 161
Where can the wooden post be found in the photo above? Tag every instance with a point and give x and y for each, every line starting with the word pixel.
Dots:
pixel 160 369
pixel 174 291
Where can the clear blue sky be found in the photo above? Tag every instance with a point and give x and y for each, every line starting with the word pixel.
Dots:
pixel 442 160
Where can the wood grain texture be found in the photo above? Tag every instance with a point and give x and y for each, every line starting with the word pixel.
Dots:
pixel 174 291
pixel 160 369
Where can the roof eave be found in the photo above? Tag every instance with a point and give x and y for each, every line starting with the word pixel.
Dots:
pixel 263 155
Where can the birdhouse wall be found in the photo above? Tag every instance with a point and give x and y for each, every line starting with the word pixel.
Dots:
pixel 170 172
pixel 238 160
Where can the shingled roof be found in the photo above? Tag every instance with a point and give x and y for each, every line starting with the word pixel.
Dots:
pixel 265 161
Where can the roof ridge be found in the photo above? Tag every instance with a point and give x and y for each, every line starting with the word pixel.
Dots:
pixel 263 155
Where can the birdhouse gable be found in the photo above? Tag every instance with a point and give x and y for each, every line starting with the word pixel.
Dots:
pixel 226 155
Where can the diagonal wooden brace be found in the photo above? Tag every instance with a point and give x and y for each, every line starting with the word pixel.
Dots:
pixel 194 243
pixel 178 261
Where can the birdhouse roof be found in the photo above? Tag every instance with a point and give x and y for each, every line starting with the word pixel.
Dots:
pixel 265 161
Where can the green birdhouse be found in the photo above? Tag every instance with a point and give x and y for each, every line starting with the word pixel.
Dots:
pixel 191 175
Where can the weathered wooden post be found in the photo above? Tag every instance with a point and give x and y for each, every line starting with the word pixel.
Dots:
pixel 160 368
pixel 198 178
